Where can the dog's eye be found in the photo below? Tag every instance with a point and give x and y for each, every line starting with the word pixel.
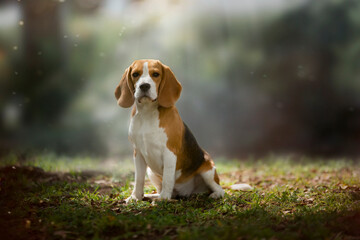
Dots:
pixel 155 74
pixel 135 74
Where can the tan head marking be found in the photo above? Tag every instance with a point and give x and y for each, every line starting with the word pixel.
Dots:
pixel 160 76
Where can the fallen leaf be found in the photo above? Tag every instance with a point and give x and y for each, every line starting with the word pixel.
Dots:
pixel 167 231
pixel 27 224
pixel 111 218
pixel 241 187
pixel 62 233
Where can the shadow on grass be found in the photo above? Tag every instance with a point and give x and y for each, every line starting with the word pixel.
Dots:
pixel 87 205
pixel 26 191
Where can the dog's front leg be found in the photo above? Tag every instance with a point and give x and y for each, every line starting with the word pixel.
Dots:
pixel 140 171
pixel 168 181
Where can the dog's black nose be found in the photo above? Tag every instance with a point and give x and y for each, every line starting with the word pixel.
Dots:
pixel 144 87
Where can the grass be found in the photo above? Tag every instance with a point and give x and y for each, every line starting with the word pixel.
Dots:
pixel 51 197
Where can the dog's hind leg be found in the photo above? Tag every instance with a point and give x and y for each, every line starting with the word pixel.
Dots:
pixel 210 177
pixel 208 172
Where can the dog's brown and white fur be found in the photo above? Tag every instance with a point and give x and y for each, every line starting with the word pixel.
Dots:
pixel 177 166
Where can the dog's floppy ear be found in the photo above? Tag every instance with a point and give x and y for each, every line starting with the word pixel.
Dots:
pixel 124 91
pixel 169 89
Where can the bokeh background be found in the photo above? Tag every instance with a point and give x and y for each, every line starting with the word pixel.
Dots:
pixel 259 77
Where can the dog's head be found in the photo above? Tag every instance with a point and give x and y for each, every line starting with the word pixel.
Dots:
pixel 148 81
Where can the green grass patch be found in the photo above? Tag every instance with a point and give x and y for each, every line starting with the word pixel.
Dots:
pixel 50 197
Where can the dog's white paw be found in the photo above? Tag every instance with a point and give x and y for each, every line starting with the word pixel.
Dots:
pixel 133 198
pixel 165 196
pixel 217 194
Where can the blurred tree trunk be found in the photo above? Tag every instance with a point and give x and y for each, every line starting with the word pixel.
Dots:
pixel 42 61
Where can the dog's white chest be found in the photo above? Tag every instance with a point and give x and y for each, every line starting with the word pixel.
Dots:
pixel 148 138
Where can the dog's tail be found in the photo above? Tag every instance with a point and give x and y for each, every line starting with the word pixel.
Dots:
pixel 240 187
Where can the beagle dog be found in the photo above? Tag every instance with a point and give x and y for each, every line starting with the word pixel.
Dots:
pixel 163 144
